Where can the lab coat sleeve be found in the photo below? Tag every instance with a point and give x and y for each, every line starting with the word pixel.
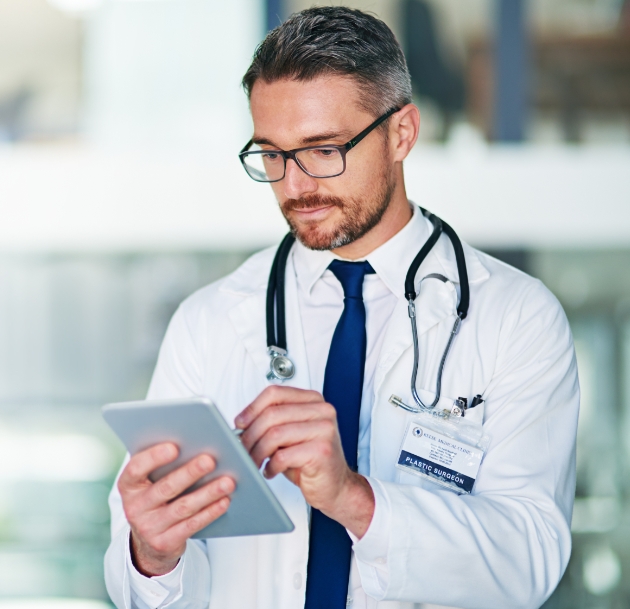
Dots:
pixel 507 544
pixel 188 587
pixel 372 548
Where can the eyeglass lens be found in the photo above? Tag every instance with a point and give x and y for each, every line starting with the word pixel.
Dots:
pixel 270 166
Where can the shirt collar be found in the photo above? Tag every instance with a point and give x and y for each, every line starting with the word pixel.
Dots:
pixel 390 261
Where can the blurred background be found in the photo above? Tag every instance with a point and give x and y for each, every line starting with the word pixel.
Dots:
pixel 121 193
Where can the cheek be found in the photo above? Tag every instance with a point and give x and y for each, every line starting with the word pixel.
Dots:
pixel 368 165
pixel 364 178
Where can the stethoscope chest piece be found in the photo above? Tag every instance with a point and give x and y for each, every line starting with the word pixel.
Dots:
pixel 281 368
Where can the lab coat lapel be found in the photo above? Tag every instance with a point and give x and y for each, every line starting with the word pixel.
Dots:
pixel 248 318
pixel 295 332
pixel 436 300
pixel 436 303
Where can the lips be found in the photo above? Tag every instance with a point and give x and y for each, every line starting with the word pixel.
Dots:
pixel 310 210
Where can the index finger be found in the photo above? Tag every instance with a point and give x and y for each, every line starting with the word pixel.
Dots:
pixel 273 396
pixel 143 463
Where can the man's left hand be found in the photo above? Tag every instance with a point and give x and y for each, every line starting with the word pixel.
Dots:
pixel 297 431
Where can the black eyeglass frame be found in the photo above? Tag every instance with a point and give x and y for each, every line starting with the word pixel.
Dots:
pixel 291 154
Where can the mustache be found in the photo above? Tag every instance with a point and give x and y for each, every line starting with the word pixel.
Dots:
pixel 312 202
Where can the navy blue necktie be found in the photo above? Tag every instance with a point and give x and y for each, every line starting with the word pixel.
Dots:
pixel 330 547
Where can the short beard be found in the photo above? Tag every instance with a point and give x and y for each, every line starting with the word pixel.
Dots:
pixel 360 217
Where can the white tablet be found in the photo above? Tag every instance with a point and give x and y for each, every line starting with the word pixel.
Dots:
pixel 196 426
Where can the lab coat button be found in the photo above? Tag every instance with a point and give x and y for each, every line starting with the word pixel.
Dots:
pixel 349 601
pixel 380 560
pixel 297 581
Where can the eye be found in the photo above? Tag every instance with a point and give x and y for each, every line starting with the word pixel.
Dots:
pixel 326 152
pixel 271 156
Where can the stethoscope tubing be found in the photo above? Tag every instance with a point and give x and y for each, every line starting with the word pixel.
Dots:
pixel 275 296
pixel 275 305
pixel 439 226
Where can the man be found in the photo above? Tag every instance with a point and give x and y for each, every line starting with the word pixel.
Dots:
pixel 366 533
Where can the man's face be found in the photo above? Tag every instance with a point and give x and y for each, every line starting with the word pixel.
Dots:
pixel 324 213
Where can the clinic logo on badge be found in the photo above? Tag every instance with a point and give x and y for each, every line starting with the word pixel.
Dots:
pixel 417 431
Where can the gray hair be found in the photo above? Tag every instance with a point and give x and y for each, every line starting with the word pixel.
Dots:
pixel 336 40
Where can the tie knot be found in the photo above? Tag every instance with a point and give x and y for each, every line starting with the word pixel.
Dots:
pixel 350 275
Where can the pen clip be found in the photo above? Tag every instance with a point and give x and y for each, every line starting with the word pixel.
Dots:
pixel 476 401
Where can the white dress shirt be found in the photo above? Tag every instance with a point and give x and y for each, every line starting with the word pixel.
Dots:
pixel 321 305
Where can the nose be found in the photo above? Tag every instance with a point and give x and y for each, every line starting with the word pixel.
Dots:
pixel 296 183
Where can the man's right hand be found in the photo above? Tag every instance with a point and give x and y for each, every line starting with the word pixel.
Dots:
pixel 161 524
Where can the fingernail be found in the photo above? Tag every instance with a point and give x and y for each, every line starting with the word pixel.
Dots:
pixel 225 486
pixel 205 461
pixel 239 420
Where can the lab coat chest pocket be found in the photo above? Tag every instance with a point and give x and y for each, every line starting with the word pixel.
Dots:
pixel 389 422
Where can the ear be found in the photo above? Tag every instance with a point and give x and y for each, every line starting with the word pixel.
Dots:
pixel 403 131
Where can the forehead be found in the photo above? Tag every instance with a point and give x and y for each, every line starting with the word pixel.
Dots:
pixel 286 111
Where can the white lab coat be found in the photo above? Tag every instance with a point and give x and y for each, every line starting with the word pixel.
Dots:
pixel 504 546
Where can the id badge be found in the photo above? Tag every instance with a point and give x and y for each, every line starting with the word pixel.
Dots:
pixel 438 449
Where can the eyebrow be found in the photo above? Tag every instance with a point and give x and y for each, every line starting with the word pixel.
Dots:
pixel 312 139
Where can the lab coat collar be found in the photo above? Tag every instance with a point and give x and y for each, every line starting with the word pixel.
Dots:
pixel 392 259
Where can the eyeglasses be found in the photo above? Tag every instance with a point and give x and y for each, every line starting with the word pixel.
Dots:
pixel 326 161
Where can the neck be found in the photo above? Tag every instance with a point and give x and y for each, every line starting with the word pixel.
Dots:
pixel 394 220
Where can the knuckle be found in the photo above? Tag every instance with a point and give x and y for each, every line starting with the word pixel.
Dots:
pixel 182 508
pixel 274 392
pixel 142 530
pixel 330 411
pixel 160 546
pixel 330 427
pixel 193 524
pixel 132 470
pixel 165 488
pixel 194 467
pixel 325 449
pixel 274 434
pixel 131 513
pixel 272 414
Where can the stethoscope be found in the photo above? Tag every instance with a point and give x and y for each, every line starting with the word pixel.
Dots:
pixel 282 367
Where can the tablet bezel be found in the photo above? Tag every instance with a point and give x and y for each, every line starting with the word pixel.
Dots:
pixel 197 426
